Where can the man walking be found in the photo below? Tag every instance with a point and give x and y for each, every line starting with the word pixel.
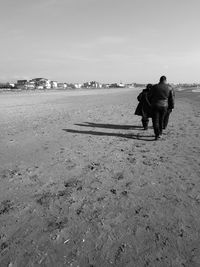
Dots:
pixel 162 100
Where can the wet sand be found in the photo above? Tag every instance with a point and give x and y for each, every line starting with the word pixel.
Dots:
pixel 81 184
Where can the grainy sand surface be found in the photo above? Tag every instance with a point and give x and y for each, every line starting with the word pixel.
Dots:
pixel 81 184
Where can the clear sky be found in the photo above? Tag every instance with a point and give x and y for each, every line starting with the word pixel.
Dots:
pixel 103 40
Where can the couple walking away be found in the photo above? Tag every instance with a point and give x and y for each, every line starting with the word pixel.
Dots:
pixel 156 102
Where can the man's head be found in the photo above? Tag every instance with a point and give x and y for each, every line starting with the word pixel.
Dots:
pixel 163 79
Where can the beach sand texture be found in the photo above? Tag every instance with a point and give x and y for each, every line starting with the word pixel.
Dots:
pixel 81 184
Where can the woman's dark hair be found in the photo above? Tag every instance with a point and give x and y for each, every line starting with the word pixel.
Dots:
pixel 149 86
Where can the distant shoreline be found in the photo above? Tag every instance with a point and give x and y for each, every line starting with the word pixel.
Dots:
pixel 186 90
pixel 7 91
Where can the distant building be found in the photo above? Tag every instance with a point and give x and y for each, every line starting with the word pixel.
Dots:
pixel 21 84
pixel 77 85
pixel 130 85
pixel 40 87
pixel 92 84
pixel 12 85
pixel 41 83
pixel 30 85
pixel 105 85
pixel 54 84
pixel 117 85
pixel 6 86
pixel 139 85
pixel 62 85
pixel 121 85
pixel 71 86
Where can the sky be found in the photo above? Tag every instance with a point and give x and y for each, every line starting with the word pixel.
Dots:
pixel 102 40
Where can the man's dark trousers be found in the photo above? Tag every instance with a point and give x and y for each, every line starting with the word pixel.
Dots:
pixel 158 115
pixel 166 118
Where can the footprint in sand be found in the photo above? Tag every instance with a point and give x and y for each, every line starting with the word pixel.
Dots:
pixel 144 150
pixel 62 150
pixel 54 224
pixel 6 206
pixel 44 199
pixel 119 252
pixel 128 184
pixel 69 164
pixel 93 166
pixel 35 179
pixel 119 176
pixel 113 191
pixel 73 183
pixel 139 145
pixel 124 193
pixel 131 159
pixel 3 246
pixel 151 162
pixel 10 173
pixel 99 199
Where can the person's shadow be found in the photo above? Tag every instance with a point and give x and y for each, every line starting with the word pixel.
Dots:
pixel 109 126
pixel 112 126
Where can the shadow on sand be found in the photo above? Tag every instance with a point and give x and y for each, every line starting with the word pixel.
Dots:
pixel 112 126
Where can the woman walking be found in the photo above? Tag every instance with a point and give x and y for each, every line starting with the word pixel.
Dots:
pixel 144 107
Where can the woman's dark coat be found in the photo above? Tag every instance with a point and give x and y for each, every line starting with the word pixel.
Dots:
pixel 144 107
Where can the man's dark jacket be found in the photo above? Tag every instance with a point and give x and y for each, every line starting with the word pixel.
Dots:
pixel 162 95
pixel 144 107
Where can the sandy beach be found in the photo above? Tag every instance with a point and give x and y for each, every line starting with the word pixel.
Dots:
pixel 81 184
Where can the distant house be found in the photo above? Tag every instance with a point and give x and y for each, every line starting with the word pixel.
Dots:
pixel 40 87
pixel 30 85
pixel 139 85
pixel 92 84
pixel 105 85
pixel 12 85
pixel 21 84
pixel 6 86
pixel 117 85
pixel 130 85
pixel 62 85
pixel 71 86
pixel 41 83
pixel 77 85
pixel 54 84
